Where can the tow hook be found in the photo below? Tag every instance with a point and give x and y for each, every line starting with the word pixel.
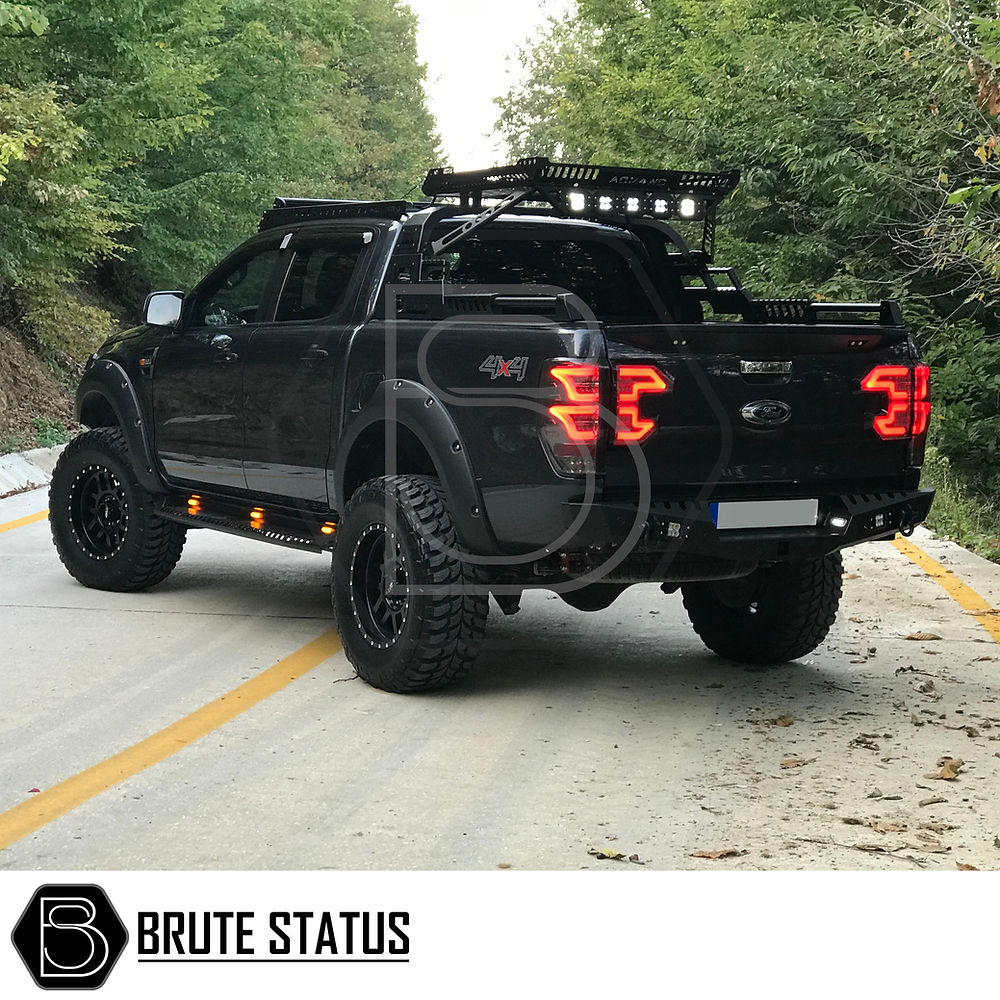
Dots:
pixel 906 523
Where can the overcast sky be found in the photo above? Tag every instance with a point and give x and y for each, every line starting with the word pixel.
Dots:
pixel 466 44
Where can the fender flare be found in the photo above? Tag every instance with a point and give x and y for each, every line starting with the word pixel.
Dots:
pixel 417 409
pixel 108 380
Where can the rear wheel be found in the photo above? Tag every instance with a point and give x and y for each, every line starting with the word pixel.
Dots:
pixel 102 522
pixel 411 613
pixel 776 614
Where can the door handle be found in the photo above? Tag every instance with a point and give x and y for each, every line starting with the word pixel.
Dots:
pixel 314 353
pixel 221 341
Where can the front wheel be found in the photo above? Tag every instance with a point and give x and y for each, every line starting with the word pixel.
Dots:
pixel 776 614
pixel 102 522
pixel 409 610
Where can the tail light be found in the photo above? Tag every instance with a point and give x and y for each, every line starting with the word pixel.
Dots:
pixel 581 415
pixel 571 440
pixel 633 382
pixel 908 404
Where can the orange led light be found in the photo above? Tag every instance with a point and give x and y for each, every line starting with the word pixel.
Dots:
pixel 194 504
pixel 328 528
pixel 257 517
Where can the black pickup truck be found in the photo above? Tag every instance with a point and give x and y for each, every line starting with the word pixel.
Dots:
pixel 536 378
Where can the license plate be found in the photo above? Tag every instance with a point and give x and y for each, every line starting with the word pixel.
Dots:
pixel 732 514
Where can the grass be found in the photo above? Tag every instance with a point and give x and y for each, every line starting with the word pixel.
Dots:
pixel 960 514
pixel 45 434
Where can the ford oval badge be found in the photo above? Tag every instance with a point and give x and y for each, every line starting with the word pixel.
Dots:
pixel 766 412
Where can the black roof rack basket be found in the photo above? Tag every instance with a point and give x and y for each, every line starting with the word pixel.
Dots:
pixel 575 190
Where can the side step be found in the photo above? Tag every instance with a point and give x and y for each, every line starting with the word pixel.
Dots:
pixel 295 529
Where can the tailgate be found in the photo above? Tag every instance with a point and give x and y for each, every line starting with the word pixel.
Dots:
pixel 764 411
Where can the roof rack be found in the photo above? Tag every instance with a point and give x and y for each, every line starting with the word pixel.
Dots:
pixel 288 211
pixel 599 193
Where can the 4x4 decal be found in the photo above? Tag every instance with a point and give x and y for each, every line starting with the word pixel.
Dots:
pixel 496 367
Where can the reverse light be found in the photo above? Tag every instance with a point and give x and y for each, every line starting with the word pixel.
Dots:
pixel 688 207
pixel 633 382
pixel 908 403
pixel 577 201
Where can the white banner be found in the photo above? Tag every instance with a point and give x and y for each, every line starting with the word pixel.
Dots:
pixel 503 934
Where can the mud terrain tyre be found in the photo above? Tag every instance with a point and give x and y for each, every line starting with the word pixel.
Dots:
pixel 411 613
pixel 101 518
pixel 776 614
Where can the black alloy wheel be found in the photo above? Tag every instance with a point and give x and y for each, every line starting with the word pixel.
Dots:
pixel 380 582
pixel 98 511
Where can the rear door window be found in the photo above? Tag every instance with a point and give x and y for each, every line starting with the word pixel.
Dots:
pixel 319 279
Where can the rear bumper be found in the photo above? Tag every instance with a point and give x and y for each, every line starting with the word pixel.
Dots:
pixel 679 541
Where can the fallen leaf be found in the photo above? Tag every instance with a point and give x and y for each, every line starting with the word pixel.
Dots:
pixel 729 852
pixel 606 854
pixel 938 827
pixel 878 848
pixel 929 848
pixel 950 766
pixel 857 621
pixel 981 612
pixel 504 865
pixel 798 761
pixel 852 576
pixel 916 721
pixel 996 841
pixel 33 791
pixel 864 742
pixel 882 826
pixel 852 821
pixel 931 802
pixel 965 868
pixel 784 720
pixel 922 636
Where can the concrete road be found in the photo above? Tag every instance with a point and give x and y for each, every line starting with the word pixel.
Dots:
pixel 613 731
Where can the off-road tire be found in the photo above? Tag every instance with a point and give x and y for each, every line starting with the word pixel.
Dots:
pixel 435 627
pixel 778 614
pixel 133 548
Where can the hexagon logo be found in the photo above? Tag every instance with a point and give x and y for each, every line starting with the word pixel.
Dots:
pixel 69 937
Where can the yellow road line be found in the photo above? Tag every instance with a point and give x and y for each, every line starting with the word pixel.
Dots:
pixel 964 596
pixel 43 808
pixel 22 521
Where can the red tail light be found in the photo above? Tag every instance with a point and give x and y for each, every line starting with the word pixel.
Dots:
pixel 921 399
pixel 908 406
pixel 581 415
pixel 633 381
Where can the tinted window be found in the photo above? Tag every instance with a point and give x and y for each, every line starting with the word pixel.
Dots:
pixel 234 299
pixel 595 271
pixel 318 279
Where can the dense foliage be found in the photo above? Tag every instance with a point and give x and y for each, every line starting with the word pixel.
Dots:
pixel 866 133
pixel 148 135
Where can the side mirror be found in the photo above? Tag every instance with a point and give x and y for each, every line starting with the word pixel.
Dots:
pixel 163 308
